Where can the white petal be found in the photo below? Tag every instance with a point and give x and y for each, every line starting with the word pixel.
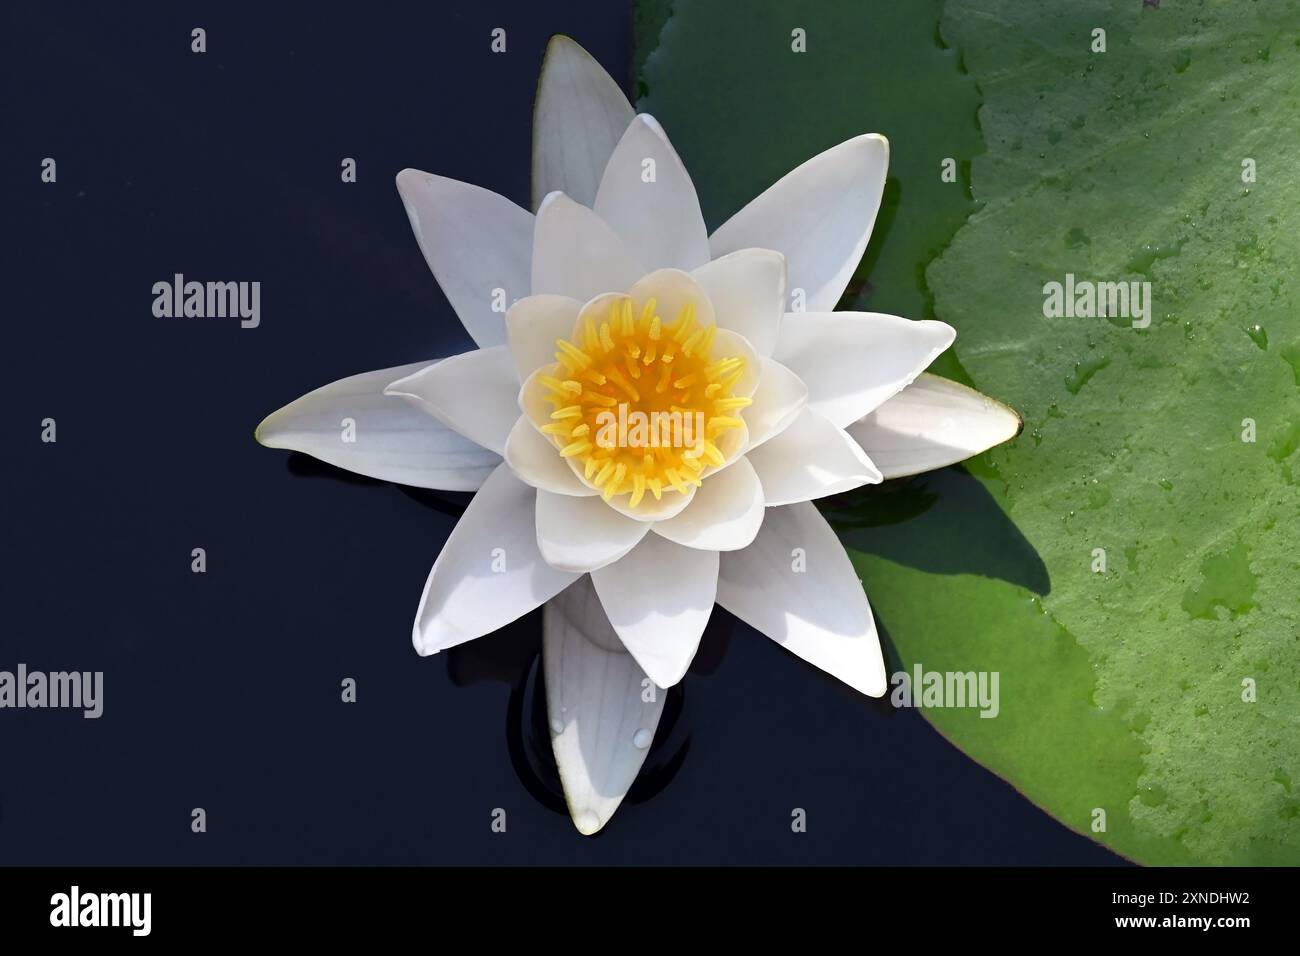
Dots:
pixel 795 584
pixel 933 423
pixel 747 289
pixel 575 253
pixel 393 441
pixel 601 724
pixel 725 514
pixel 582 534
pixel 532 326
pixel 475 242
pixel 578 117
pixel 651 508
pixel 672 289
pixel 780 397
pixel 476 393
pixel 853 361
pixel 819 215
pixel 729 344
pixel 659 598
pixel 811 459
pixel 537 462
pixel 659 219
pixel 489 572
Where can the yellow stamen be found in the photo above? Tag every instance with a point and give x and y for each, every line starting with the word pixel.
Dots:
pixel 668 433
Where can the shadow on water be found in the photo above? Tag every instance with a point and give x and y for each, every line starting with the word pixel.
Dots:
pixel 451 503
pixel 942 522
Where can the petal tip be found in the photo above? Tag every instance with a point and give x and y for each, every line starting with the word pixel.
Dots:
pixel 879 138
pixel 554 196
pixel 588 822
pixel 265 434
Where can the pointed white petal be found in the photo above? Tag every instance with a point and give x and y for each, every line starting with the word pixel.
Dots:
pixel 811 459
pixel 601 725
pixel 578 117
pixel 489 572
pixel 933 423
pixel 647 197
pixel 537 462
pixel 391 440
pixel 747 289
pixel 532 326
pixel 659 597
pixel 819 215
pixel 853 361
pixel 476 393
pixel 795 584
pixel 475 242
pixel 725 514
pixel 780 397
pixel 583 534
pixel 575 253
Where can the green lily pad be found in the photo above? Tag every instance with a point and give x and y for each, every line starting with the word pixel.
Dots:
pixel 1129 565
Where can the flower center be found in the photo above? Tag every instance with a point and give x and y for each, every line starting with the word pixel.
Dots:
pixel 640 403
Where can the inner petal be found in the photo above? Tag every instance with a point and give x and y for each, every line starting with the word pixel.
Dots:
pixel 642 402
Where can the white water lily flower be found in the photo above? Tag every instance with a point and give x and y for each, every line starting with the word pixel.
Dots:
pixel 623 306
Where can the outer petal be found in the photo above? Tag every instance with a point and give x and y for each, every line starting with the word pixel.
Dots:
pixel 933 423
pixel 659 219
pixel 583 534
pixel 575 253
pixel 474 588
pixel 532 326
pixel 659 598
pixel 476 393
pixel 474 241
pixel 815 607
pixel 747 289
pixel 819 215
pixel 724 515
pixel 854 361
pixel 578 117
pixel 601 725
pixel 537 462
pixel 811 459
pixel 393 441
pixel 780 397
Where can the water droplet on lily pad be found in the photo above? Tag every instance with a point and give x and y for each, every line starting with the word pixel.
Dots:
pixel 1083 371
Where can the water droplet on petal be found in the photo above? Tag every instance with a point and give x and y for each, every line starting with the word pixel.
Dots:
pixel 641 739
pixel 557 726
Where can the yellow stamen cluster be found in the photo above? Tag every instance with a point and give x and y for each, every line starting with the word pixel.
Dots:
pixel 632 358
